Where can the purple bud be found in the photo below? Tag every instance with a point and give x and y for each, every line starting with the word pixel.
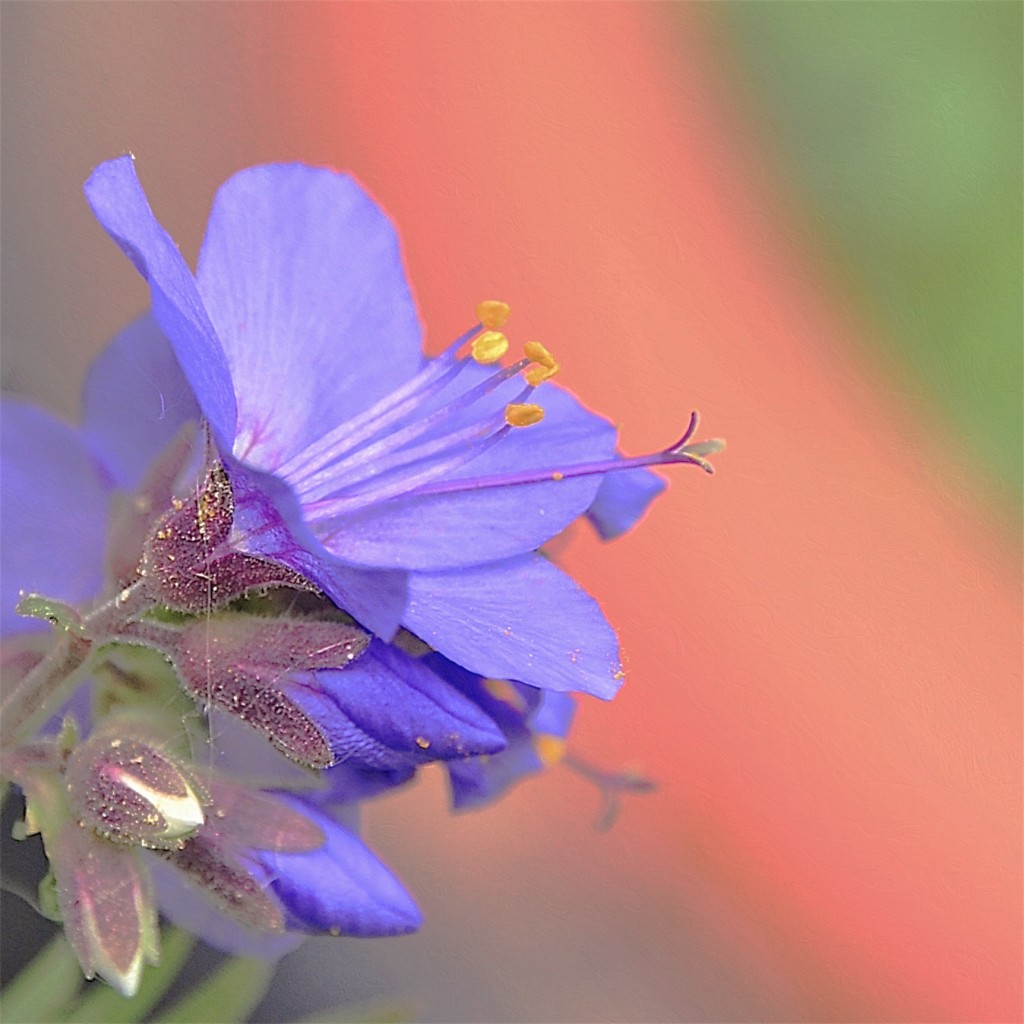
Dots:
pixel 188 563
pixel 128 789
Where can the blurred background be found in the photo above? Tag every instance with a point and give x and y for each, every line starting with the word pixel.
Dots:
pixel 802 219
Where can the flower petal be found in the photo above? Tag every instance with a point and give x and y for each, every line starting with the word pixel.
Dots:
pixel 53 514
pixel 469 527
pixel 120 205
pixel 622 499
pixel 519 619
pixel 391 710
pixel 339 888
pixel 302 276
pixel 136 380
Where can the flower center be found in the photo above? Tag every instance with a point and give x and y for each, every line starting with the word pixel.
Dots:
pixel 409 443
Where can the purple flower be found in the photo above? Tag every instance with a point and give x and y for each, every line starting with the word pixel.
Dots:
pixel 399 486
pixel 413 493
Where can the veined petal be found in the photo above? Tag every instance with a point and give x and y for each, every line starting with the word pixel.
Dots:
pixel 519 619
pixel 53 513
pixel 136 380
pixel 302 276
pixel 339 888
pixel 622 499
pixel 485 524
pixel 120 205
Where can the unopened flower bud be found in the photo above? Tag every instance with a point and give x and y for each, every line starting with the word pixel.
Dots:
pixel 128 789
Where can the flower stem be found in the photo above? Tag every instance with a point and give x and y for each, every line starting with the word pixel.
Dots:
pixel 40 693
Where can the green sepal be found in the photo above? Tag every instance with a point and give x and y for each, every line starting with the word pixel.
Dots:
pixel 60 615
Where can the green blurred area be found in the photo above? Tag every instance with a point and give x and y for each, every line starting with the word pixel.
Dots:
pixel 899 126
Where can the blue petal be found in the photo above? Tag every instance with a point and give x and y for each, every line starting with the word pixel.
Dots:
pixel 53 514
pixel 120 205
pixel 391 710
pixel 268 523
pixel 622 499
pixel 341 887
pixel 518 619
pixel 302 277
pixel 135 400
pixel 469 527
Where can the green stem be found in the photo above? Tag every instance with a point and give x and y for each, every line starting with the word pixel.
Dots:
pixel 38 695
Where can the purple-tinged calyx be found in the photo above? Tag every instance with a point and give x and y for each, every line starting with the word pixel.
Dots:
pixel 107 906
pixel 125 785
pixel 262 670
pixel 189 563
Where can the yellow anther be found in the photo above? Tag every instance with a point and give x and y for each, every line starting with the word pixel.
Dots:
pixel 557 476
pixel 537 353
pixel 489 347
pixel 492 313
pixel 523 415
pixel 550 749
pixel 538 374
pixel 503 690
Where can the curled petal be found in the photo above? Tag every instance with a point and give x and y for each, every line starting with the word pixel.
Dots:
pixel 120 205
pixel 340 888
pixel 393 711
pixel 622 499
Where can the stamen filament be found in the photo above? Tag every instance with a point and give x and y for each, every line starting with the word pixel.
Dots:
pixel 389 409
pixel 680 452
pixel 419 467
pixel 322 484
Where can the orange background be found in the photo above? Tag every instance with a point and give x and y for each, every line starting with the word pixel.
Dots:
pixel 823 641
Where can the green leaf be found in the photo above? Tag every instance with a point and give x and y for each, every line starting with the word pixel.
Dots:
pixel 105 1005
pixel 45 988
pixel 228 996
